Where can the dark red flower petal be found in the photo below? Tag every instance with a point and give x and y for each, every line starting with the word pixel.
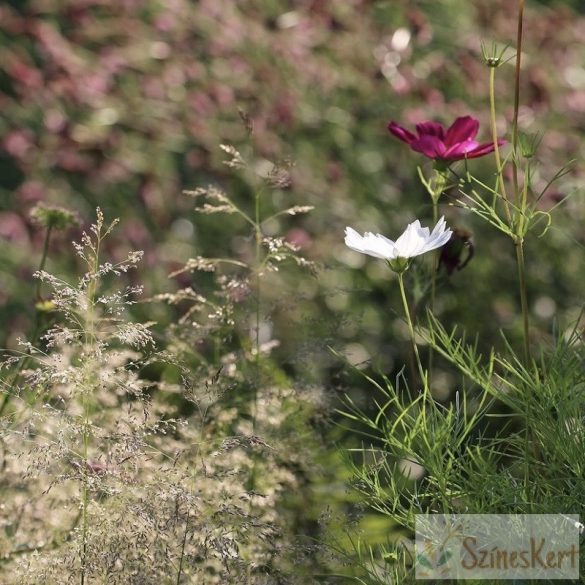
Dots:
pixel 460 150
pixel 430 146
pixel 456 143
pixel 430 129
pixel 462 130
pixel 484 149
pixel 401 133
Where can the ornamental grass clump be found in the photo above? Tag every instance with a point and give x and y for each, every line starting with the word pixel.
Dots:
pixel 124 464
pixel 72 462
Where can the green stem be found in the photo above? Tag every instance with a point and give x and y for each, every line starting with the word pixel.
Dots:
pixel 435 263
pixel 521 195
pixel 500 185
pixel 523 298
pixel 435 188
pixel 517 94
pixel 527 454
pixel 411 330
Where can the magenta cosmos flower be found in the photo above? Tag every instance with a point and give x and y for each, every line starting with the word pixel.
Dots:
pixel 455 143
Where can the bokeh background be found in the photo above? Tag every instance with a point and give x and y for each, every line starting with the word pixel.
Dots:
pixel 123 104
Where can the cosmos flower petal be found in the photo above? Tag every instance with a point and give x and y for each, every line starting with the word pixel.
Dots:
pixel 439 236
pixel 456 143
pixel 430 146
pixel 368 244
pixel 423 232
pixel 388 240
pixel 415 240
pixel 430 243
pixel 403 243
pixel 352 239
pixel 440 227
pixel 483 149
pixel 416 228
pixel 373 246
pixel 461 149
pixel 440 230
pixel 463 129
pixel 401 133
pixel 415 223
pixel 431 129
pixel 439 241
pixel 412 240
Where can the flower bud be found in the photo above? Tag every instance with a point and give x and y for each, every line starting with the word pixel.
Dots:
pixel 452 252
pixel 54 217
pixel 494 57
pixel 529 143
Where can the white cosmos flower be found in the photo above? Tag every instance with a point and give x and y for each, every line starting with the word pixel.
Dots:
pixel 414 241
